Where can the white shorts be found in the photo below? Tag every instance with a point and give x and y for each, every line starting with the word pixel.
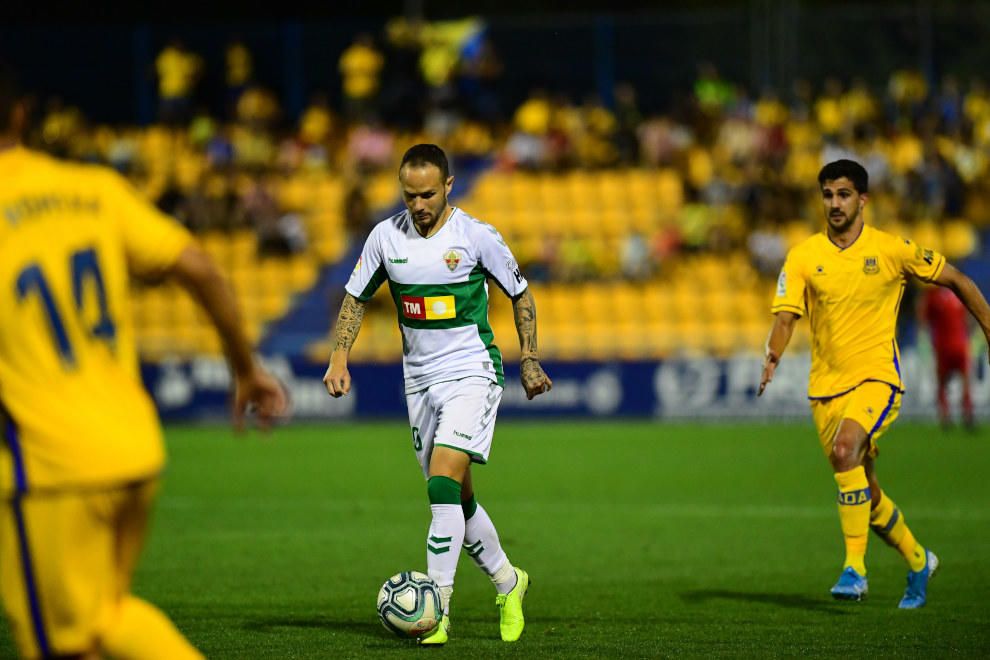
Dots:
pixel 458 413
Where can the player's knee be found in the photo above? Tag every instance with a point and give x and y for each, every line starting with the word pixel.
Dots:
pixel 846 453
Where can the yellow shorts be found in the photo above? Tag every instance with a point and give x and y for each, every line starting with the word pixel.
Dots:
pixel 873 405
pixel 66 559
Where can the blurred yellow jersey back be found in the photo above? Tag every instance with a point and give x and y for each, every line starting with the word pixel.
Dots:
pixel 851 297
pixel 69 382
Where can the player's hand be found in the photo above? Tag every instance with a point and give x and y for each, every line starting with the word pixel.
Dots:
pixel 770 363
pixel 262 395
pixel 534 380
pixel 337 378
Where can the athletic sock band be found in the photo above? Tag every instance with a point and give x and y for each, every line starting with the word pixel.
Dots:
pixel 443 490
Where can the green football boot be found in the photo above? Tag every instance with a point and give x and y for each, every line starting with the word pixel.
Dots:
pixel 510 612
pixel 439 635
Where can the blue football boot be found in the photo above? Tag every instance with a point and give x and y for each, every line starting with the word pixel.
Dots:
pixel 916 593
pixel 851 585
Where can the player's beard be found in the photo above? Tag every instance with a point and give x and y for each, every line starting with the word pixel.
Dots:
pixel 425 224
pixel 849 221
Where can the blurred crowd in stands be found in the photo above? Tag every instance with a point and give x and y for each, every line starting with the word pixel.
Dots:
pixel 741 164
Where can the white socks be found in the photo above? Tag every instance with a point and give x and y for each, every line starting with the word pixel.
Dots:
pixel 443 547
pixel 482 544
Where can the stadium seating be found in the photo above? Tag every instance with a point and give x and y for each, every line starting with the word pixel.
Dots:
pixel 572 226
pixel 702 303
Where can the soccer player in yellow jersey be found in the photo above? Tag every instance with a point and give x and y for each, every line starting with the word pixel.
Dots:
pixel 82 447
pixel 849 281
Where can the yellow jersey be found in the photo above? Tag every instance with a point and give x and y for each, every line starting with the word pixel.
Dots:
pixel 176 73
pixel 77 413
pixel 851 297
pixel 360 67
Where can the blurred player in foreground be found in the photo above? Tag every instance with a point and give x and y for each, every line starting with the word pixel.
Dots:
pixel 437 260
pixel 945 317
pixel 849 280
pixel 83 448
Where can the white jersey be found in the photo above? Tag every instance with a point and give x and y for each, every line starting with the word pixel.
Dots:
pixel 439 286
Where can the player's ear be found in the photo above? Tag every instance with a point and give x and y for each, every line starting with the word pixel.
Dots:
pixel 449 183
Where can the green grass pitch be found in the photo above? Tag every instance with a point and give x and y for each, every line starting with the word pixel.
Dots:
pixel 642 539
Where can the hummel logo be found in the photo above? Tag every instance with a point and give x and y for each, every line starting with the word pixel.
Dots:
pixel 395 260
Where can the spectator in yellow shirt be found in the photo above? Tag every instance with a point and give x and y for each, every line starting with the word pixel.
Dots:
pixel 178 70
pixel 360 66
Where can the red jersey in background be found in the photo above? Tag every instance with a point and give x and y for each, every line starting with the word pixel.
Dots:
pixel 945 316
pixel 946 319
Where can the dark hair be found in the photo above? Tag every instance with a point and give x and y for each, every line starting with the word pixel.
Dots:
pixel 849 169
pixel 9 94
pixel 427 154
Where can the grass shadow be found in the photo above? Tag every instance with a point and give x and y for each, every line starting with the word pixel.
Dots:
pixel 793 601
pixel 270 624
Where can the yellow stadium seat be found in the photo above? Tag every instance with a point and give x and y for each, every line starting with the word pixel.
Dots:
pixel 570 342
pixel 691 337
pixel 959 239
pixel 670 189
pixel 657 302
pixel 753 335
pixel 723 337
pixel 716 305
pixel 662 339
pixel 628 301
pixel 599 341
pixel 684 303
pixel 926 234
pixel 294 194
pixel 330 247
pixel 302 273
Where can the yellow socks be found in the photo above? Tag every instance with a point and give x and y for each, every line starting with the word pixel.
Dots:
pixel 889 524
pixel 139 630
pixel 854 515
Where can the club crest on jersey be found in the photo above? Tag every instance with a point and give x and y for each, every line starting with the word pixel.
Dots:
pixel 870 265
pixel 452 258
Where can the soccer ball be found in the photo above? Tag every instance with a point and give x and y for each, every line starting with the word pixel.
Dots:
pixel 409 604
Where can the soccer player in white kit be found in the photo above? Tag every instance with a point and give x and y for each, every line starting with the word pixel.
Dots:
pixel 437 260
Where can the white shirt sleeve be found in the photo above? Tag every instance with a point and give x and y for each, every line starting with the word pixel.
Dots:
pixel 369 272
pixel 497 260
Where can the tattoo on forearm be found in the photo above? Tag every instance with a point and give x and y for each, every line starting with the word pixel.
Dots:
pixel 530 372
pixel 348 323
pixel 524 310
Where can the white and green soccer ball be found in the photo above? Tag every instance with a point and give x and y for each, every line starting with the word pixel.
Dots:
pixel 409 604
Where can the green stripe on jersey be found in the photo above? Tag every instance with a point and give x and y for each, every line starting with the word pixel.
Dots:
pixel 379 276
pixel 471 303
pixel 470 300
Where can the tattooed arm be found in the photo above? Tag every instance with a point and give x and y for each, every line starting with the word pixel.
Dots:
pixel 534 379
pixel 338 378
